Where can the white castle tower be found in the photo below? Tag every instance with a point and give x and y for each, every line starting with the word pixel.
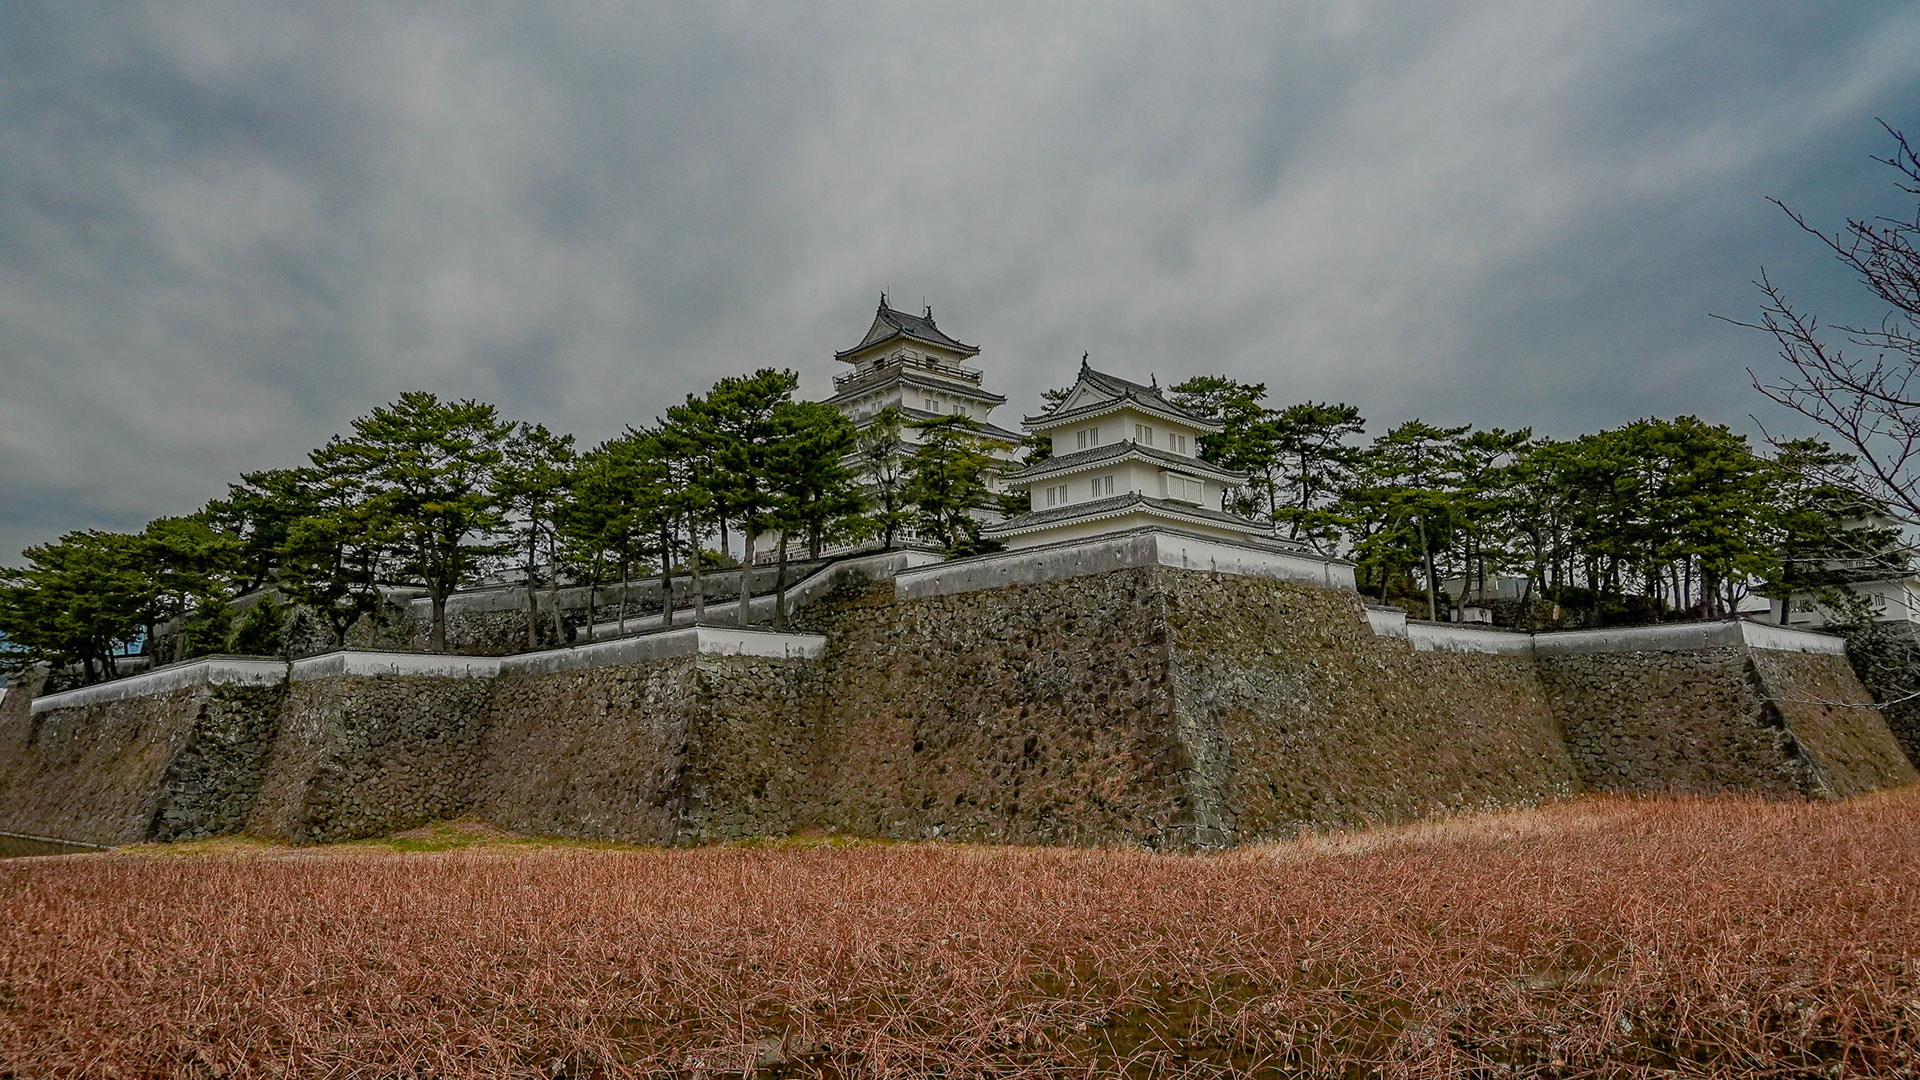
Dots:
pixel 1123 457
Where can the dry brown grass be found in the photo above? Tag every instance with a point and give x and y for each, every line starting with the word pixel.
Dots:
pixel 1601 937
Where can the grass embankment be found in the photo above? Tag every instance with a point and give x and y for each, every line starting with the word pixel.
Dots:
pixel 1600 937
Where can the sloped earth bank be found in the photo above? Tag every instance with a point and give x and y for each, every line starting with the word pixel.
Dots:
pixel 1601 937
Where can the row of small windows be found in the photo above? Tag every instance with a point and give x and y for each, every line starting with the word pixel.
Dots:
pixel 1098 487
pixel 958 409
pixel 1182 488
pixel 1143 434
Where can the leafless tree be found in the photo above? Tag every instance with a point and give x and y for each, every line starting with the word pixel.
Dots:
pixel 1862 383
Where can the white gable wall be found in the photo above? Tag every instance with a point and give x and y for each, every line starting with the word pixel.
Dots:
pixel 1123 425
pixel 1142 477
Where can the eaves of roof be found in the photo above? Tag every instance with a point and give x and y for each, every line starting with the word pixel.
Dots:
pixel 926 380
pixel 1081 460
pixel 913 327
pixel 1126 400
pixel 1120 505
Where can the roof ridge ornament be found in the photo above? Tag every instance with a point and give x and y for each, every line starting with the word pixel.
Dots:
pixel 1083 361
pixel 883 299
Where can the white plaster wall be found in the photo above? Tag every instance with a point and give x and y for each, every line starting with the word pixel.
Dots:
pixel 1891 601
pixel 1688 636
pixel 1786 639
pixel 1110 547
pixel 1387 622
pixel 367 663
pixel 1465 637
pixel 213 671
pixel 687 641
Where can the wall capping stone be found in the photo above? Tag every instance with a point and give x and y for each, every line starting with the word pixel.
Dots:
pixel 207 671
pixel 667 644
pixel 1684 637
pixel 1672 637
pixel 1154 546
pixel 366 662
pixel 1463 637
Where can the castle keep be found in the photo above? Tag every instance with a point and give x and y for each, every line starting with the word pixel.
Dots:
pixel 1137 667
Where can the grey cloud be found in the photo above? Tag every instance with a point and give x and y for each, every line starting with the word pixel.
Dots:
pixel 226 230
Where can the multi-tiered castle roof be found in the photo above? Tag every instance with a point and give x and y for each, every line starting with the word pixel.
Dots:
pixel 1123 456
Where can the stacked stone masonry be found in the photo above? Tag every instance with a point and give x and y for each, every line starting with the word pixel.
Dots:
pixel 1147 705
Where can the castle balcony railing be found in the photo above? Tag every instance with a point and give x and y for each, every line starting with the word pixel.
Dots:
pixel 885 369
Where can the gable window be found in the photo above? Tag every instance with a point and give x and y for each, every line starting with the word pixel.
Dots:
pixel 1143 434
pixel 1102 485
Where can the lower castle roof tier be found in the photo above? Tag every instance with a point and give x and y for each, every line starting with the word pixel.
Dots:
pixel 1109 512
pixel 1112 453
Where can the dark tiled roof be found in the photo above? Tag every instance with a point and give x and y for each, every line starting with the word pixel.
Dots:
pixel 983 427
pixel 1123 390
pixel 1113 503
pixel 921 377
pixel 1122 449
pixel 917 327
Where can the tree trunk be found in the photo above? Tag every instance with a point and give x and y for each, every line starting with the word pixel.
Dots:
pixel 1426 551
pixel 693 569
pixel 626 588
pixel 562 631
pixel 593 597
pixel 780 586
pixel 666 577
pixel 437 637
pixel 533 592
pixel 746 572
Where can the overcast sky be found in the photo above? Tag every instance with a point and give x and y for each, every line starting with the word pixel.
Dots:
pixel 227 230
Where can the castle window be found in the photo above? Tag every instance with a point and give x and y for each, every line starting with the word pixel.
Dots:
pixel 1143 434
pixel 1089 437
pixel 1103 485
pixel 1176 442
pixel 1057 495
pixel 933 406
pixel 1185 489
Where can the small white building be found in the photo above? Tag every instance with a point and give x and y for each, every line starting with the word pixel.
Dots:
pixel 1123 456
pixel 1888 600
pixel 1875 574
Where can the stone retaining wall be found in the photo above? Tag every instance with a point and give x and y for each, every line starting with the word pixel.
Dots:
pixel 183 761
pixel 669 750
pixel 1038 714
pixel 1690 721
pixel 1150 704
pixel 363 755
pixel 1834 721
pixel 1310 718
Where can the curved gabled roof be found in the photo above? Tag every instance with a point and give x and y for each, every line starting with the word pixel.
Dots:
pixel 889 324
pixel 1121 392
